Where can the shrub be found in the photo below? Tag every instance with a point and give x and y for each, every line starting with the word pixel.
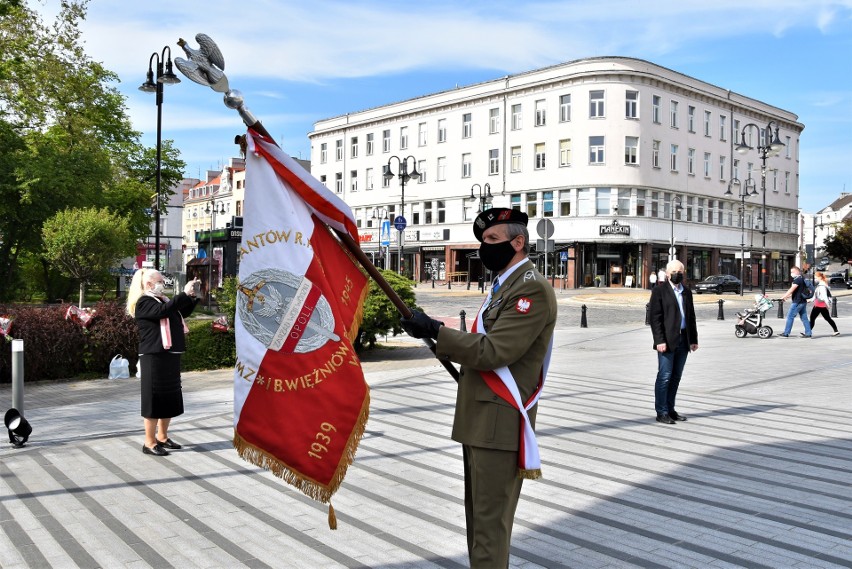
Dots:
pixel 112 332
pixel 380 314
pixel 206 349
pixel 226 297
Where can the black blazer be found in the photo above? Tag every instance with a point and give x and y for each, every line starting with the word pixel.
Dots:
pixel 149 312
pixel 665 316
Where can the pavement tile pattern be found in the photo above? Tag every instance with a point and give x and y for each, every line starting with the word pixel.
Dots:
pixel 759 476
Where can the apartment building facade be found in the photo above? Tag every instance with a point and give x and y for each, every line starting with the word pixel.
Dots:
pixel 630 161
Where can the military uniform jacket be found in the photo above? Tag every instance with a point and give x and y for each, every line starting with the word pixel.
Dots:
pixel 519 322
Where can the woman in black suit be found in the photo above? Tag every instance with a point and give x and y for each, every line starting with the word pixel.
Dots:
pixel 162 340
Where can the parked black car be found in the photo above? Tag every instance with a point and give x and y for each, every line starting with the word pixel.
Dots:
pixel 719 284
pixel 836 279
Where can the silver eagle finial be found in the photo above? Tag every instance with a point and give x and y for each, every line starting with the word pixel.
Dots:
pixel 205 64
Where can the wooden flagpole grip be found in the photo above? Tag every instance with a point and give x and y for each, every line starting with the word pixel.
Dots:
pixel 371 269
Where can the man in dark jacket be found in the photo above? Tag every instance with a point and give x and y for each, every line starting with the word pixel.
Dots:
pixel 672 318
pixel 507 351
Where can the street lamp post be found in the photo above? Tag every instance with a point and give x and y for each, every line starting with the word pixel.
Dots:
pixel 381 214
pixel 212 210
pixel 151 86
pixel 764 150
pixel 675 207
pixel 404 176
pixel 485 197
pixel 742 193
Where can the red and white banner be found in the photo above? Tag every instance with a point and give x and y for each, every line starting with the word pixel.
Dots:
pixel 300 400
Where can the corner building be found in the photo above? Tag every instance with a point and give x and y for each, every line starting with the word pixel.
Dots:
pixel 623 156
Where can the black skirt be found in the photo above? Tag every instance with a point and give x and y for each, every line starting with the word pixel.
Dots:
pixel 162 397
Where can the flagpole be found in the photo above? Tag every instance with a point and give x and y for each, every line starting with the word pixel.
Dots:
pixel 205 68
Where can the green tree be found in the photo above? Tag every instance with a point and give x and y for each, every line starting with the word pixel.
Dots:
pixel 65 137
pixel 380 314
pixel 839 245
pixel 85 243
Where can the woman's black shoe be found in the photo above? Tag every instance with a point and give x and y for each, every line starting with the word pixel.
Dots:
pixel 169 443
pixel 157 450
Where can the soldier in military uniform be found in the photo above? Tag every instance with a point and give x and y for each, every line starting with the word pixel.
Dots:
pixel 504 360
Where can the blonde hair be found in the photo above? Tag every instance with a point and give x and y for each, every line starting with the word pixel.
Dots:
pixel 137 288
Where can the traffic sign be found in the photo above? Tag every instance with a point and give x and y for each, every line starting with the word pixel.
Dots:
pixel 384 237
pixel 563 256
pixel 545 229
pixel 400 223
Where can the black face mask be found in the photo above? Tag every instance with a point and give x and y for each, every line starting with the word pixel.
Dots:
pixel 676 278
pixel 495 256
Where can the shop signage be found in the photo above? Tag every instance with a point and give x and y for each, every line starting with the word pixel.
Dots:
pixel 615 228
pixel 434 234
pixel 367 236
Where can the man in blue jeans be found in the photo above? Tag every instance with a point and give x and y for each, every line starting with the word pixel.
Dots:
pixel 799 306
pixel 672 320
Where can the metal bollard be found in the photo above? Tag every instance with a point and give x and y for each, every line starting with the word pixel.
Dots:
pixel 583 322
pixel 780 309
pixel 647 314
pixel 721 315
pixel 433 282
pixel 462 325
pixel 833 307
pixel 18 375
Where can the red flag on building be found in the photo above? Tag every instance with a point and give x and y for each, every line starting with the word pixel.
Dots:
pixel 300 400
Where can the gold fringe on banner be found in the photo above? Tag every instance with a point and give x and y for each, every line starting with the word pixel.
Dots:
pixel 309 486
pixel 531 474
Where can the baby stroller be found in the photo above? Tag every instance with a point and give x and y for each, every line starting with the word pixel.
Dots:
pixel 750 321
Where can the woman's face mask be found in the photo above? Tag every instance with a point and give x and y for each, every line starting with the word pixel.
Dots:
pixel 159 288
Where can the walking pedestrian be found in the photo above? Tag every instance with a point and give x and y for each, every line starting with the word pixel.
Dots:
pixel 504 364
pixel 822 298
pixel 797 292
pixel 675 331
pixel 161 342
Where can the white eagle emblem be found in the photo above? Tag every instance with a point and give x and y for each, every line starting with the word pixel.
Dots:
pixel 523 306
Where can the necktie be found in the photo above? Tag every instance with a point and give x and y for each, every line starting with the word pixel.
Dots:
pixel 496 286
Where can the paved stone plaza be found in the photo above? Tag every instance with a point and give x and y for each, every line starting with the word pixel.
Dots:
pixel 759 476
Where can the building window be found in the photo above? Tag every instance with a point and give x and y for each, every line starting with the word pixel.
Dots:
pixel 385 180
pixel 442 169
pixel 370 144
pixel 517 122
pixel 602 202
pixel 623 202
pixel 786 182
pixel 539 156
pixel 655 109
pixel 787 148
pixel 721 167
pixel 441 207
pixel 655 204
pixel 494 120
pixel 565 152
pixel 358 217
pixel 547 204
pixel 353 180
pixel 324 180
pixel 631 148
pixel 385 141
pixel 403 137
pixel 338 182
pixel 702 204
pixel 707 119
pixel 368 179
pixel 323 153
pixel 674 158
pixel 421 168
pixel 353 147
pixel 585 202
pixel 690 118
pixel 640 203
pixel 467 126
pixel 673 113
pixel 723 128
pixel 736 172
pixel 532 204
pixel 540 113
pixel 421 134
pixel 736 132
pixel 442 130
pixel 564 108
pixel 466 166
pixel 515 202
pixel 631 110
pixel 564 203
pixel 690 162
pixel 516 159
pixel 596 105
pixel 655 154
pixel 707 158
pixel 338 150
pixel 494 161
pixel 690 205
pixel 596 150
pixel 427 213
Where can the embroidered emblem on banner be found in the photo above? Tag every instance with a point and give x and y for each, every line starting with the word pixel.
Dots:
pixel 524 304
pixel 285 312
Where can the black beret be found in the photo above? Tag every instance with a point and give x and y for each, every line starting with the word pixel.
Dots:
pixel 496 216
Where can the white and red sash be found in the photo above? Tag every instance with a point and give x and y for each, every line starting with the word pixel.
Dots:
pixel 503 384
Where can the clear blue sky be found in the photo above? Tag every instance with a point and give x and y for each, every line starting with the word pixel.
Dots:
pixel 298 62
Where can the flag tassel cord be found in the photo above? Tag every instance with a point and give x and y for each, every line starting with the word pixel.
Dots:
pixel 371 269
